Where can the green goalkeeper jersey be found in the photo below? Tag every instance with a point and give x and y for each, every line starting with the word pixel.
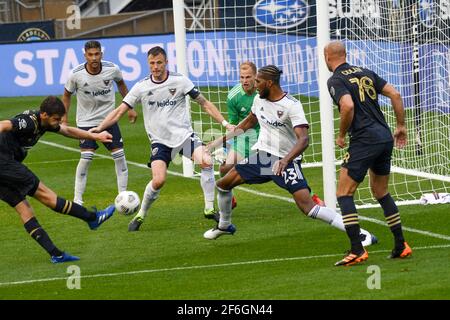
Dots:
pixel 239 105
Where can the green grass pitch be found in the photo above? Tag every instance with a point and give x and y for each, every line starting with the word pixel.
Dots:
pixel 276 253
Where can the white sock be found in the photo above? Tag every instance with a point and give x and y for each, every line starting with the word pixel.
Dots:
pixel 327 215
pixel 207 181
pixel 150 195
pixel 224 201
pixel 335 219
pixel 121 169
pixel 81 176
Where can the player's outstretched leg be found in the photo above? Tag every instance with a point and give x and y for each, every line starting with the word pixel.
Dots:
pixel 150 195
pixel 93 218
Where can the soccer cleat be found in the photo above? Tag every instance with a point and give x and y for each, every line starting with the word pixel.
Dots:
pixel 403 253
pixel 212 214
pixel 367 239
pixel 64 258
pixel 352 258
pixel 317 200
pixel 216 232
pixel 233 203
pixel 135 224
pixel 102 216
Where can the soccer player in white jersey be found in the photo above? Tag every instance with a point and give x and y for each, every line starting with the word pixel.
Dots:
pixel 168 125
pixel 283 138
pixel 93 83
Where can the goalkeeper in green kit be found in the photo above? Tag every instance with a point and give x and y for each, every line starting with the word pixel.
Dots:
pixel 239 104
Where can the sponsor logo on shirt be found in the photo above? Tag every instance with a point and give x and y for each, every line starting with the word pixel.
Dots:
pixel 274 123
pixel 101 92
pixel 166 103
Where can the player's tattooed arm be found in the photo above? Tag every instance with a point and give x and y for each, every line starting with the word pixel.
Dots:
pixel 212 110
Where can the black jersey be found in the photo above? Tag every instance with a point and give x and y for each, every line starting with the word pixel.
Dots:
pixel 25 133
pixel 369 124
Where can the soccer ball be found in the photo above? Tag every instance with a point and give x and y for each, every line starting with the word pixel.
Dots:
pixel 127 202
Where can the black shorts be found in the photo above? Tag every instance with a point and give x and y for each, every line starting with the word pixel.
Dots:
pixel 257 169
pixel 16 182
pixel 362 156
pixel 117 141
pixel 167 154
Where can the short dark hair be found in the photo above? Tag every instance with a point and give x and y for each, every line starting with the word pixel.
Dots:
pixel 157 50
pixel 53 105
pixel 271 72
pixel 92 44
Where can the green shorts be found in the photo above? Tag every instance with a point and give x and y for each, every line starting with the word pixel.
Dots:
pixel 243 143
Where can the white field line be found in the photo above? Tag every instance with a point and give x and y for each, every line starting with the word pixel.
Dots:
pixel 209 266
pixel 261 194
pixel 52 161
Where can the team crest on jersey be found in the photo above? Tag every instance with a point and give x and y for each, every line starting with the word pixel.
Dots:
pixel 172 90
pixel 86 84
pixel 280 113
pixel 262 109
pixel 154 151
pixel 332 91
pixel 150 93
pixel 106 82
pixel 22 124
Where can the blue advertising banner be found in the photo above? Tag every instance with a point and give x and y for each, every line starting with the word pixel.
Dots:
pixel 213 58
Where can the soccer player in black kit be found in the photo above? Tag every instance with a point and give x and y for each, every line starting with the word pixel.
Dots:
pixel 19 134
pixel 355 91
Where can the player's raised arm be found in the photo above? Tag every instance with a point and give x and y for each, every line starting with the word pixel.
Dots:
pixel 249 122
pixel 5 126
pixel 76 133
pixel 212 110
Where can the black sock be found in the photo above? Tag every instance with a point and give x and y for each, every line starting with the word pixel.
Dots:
pixel 37 233
pixel 350 219
pixel 73 209
pixel 393 219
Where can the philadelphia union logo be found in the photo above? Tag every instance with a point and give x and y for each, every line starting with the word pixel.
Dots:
pixel 33 34
pixel 284 14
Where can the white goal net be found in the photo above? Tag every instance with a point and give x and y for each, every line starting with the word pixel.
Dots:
pixel 406 42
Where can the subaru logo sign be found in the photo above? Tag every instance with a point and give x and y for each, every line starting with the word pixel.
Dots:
pixel 281 14
pixel 428 12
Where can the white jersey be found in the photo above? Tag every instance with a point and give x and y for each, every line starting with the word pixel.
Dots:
pixel 166 115
pixel 95 93
pixel 277 120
